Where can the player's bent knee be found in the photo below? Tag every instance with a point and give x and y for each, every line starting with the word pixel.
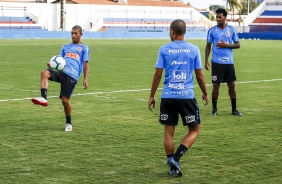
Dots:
pixel 195 129
pixel 45 73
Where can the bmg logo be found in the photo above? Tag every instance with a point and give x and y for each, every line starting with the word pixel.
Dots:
pixel 178 75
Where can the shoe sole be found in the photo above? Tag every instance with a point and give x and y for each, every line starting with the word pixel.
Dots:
pixel 237 114
pixel 36 102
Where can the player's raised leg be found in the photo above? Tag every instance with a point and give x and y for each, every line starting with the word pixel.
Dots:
pixel 45 75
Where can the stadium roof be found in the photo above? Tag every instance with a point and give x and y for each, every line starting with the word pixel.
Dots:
pixel 129 2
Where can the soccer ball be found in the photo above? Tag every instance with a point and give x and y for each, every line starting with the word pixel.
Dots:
pixel 57 62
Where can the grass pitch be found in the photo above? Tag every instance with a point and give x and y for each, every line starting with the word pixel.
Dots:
pixel 115 138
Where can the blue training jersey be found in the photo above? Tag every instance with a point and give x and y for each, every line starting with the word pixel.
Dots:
pixel 228 35
pixel 75 56
pixel 179 59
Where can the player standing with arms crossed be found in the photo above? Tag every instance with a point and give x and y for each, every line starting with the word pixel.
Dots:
pixel 77 57
pixel 221 37
pixel 180 60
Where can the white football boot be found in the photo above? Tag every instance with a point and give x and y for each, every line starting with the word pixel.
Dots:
pixel 40 101
pixel 68 127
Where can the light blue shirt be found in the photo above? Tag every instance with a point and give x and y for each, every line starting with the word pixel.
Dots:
pixel 228 35
pixel 179 59
pixel 75 56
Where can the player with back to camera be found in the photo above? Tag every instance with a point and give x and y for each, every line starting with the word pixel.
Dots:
pixel 221 37
pixel 180 60
pixel 77 57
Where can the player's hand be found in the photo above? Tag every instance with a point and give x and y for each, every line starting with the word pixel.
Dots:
pixel 207 65
pixel 85 84
pixel 206 98
pixel 222 44
pixel 151 104
pixel 48 64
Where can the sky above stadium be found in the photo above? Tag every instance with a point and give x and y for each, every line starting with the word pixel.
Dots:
pixel 203 4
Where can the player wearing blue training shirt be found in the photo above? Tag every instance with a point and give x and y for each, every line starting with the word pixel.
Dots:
pixel 180 60
pixel 223 39
pixel 77 56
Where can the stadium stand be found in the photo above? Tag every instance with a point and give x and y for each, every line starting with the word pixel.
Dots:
pixel 272 13
pixel 13 17
pixel 267 20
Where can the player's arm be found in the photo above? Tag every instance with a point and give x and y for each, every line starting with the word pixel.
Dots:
pixel 85 74
pixel 235 45
pixel 222 44
pixel 155 84
pixel 201 81
pixel 86 57
pixel 207 54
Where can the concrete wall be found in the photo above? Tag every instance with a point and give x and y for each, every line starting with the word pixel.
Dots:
pixel 44 34
pixel 85 15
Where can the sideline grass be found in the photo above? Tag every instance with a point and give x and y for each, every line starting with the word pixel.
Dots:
pixel 116 139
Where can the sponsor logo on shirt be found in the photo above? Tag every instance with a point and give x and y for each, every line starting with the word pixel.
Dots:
pixel 69 70
pixel 177 93
pixel 178 75
pixel 179 63
pixel 72 55
pixel 223 59
pixel 173 51
pixel 176 86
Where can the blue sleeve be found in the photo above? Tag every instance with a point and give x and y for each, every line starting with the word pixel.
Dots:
pixel 209 36
pixel 62 53
pixel 86 54
pixel 198 61
pixel 235 37
pixel 160 60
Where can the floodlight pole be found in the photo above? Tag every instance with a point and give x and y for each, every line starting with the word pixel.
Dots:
pixel 248 7
pixel 62 20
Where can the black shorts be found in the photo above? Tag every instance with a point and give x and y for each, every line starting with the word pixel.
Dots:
pixel 67 82
pixel 221 73
pixel 187 108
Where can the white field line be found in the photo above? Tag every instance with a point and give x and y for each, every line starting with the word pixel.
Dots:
pixel 125 91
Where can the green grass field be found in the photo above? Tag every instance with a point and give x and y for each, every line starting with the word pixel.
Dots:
pixel 116 139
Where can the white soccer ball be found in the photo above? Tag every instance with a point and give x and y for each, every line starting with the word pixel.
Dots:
pixel 57 62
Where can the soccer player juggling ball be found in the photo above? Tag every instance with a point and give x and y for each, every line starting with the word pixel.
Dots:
pixel 77 57
pixel 180 60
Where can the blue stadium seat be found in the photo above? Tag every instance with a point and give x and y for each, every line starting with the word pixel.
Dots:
pixel 272 13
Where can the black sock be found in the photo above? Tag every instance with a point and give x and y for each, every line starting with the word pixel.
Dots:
pixel 180 152
pixel 214 103
pixel 44 93
pixel 168 156
pixel 68 119
pixel 233 104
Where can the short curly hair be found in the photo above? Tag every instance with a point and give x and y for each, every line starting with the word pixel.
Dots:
pixel 221 10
